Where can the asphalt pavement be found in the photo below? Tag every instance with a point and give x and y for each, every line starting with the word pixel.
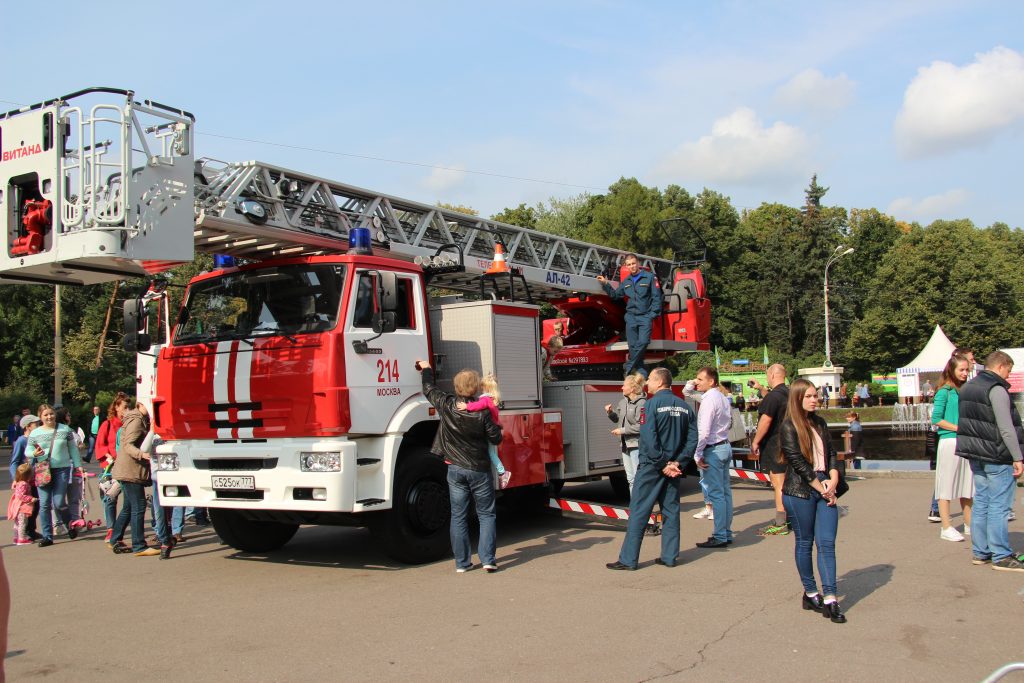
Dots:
pixel 329 606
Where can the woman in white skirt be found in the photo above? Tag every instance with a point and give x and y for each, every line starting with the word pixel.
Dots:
pixel 953 476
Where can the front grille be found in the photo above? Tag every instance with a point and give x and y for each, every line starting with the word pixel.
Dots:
pixel 229 494
pixel 236 464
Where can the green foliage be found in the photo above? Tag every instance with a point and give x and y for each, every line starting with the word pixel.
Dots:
pixel 524 216
pixel 764 269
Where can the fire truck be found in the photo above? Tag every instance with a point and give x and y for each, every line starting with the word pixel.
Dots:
pixel 284 390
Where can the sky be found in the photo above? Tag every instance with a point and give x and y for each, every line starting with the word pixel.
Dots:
pixel 913 108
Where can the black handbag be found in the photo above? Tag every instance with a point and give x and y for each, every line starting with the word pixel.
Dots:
pixel 842 487
pixel 931 445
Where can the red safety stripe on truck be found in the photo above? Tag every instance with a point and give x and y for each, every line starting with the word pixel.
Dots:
pixel 582 508
pixel 749 475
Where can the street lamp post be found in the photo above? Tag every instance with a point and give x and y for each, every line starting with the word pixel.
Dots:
pixel 836 255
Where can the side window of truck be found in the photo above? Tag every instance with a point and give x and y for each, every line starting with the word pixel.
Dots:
pixel 366 302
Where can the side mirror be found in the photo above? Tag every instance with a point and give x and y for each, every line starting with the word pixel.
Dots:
pixel 384 323
pixel 387 291
pixel 136 339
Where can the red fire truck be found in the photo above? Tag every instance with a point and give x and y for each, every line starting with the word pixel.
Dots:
pixel 284 389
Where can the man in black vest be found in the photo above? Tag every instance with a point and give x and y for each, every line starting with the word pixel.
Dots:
pixel 990 436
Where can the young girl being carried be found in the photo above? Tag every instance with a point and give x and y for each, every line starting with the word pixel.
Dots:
pixel 22 503
pixel 489 400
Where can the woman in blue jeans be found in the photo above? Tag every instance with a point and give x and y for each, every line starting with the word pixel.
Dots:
pixel 56 444
pixel 808 494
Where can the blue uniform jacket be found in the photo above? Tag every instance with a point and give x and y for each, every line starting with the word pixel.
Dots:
pixel 645 295
pixel 668 431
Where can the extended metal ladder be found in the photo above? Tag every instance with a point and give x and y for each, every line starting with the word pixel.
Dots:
pixel 255 210
pixel 97 192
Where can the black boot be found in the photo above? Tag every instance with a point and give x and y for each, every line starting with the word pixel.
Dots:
pixel 814 603
pixel 831 611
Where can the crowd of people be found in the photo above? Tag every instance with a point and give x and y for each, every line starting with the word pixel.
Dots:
pixel 979 454
pixel 50 484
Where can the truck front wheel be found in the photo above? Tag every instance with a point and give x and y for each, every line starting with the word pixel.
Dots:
pixel 248 535
pixel 415 529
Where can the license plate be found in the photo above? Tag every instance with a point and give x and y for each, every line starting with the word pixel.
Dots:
pixel 237 483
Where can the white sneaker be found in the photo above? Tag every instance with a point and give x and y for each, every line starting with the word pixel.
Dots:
pixel 951 534
pixel 703 514
pixel 967 530
pixel 1013 516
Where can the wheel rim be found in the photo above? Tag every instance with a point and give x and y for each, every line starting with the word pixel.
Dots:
pixel 427 507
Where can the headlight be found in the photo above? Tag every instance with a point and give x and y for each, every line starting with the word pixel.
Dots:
pixel 320 462
pixel 167 462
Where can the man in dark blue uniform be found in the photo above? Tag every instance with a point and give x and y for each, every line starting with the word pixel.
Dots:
pixel 643 305
pixel 668 438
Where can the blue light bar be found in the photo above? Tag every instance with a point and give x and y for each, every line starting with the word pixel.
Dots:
pixel 359 241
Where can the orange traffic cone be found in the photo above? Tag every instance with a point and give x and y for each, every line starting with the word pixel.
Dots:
pixel 499 265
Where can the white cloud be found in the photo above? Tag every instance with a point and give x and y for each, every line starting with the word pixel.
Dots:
pixel 814 91
pixel 929 208
pixel 947 107
pixel 444 179
pixel 740 149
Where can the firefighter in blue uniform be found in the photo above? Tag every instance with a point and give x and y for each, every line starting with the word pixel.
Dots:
pixel 668 439
pixel 642 308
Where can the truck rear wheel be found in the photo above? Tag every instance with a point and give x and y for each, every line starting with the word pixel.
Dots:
pixel 415 529
pixel 248 535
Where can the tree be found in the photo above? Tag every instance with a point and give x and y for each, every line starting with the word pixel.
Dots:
pixel 524 216
pixel 951 274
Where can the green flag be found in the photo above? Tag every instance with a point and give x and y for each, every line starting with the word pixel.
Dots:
pixel 718 362
pixel 766 354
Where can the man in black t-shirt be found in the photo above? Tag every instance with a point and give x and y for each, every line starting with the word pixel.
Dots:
pixel 765 444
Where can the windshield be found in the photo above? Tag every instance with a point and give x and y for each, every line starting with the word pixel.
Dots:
pixel 285 300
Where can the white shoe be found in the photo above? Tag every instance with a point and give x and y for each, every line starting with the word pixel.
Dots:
pixel 1013 516
pixel 703 514
pixel 967 530
pixel 951 534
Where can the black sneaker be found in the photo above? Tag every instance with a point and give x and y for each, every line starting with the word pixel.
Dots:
pixel 45 542
pixel 1007 564
pixel 72 533
pixel 165 552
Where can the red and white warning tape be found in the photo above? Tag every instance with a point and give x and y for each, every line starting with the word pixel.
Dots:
pixel 582 508
pixel 749 475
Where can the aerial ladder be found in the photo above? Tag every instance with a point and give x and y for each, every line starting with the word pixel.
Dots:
pixel 94 191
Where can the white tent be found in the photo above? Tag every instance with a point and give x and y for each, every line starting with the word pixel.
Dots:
pixel 931 361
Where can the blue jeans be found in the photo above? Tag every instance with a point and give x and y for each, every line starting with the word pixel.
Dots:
pixel 160 515
pixel 177 520
pixel 650 487
pixel 133 511
pixel 464 484
pixel 630 463
pixel 994 487
pixel 109 510
pixel 716 478
pixel 813 520
pixel 54 497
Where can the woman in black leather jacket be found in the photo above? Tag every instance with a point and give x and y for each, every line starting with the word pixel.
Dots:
pixel 808 495
pixel 461 440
